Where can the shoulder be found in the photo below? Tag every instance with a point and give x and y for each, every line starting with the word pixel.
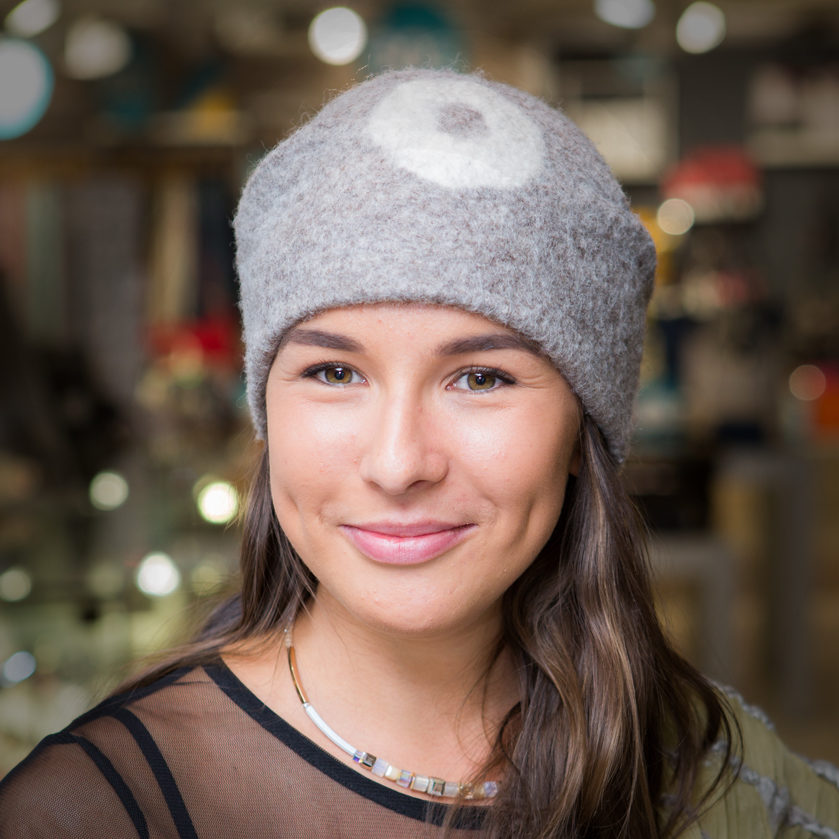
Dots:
pixel 66 787
pixel 83 781
pixel 771 790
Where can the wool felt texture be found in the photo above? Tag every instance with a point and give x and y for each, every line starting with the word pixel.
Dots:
pixel 439 187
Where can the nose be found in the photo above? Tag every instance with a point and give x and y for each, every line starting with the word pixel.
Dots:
pixel 403 448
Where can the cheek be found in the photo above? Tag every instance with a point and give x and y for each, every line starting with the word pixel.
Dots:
pixel 529 490
pixel 310 456
pixel 521 465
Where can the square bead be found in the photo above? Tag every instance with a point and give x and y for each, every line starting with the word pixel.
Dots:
pixel 379 767
pixel 392 773
pixel 436 786
pixel 368 760
pixel 451 789
pixel 420 783
pixel 405 778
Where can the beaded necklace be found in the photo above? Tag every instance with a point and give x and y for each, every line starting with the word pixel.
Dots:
pixel 381 768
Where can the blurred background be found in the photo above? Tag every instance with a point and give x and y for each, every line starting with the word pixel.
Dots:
pixel 126 130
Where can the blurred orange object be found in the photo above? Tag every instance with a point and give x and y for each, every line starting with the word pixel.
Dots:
pixel 825 414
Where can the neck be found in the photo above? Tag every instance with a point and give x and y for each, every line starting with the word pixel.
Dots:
pixel 445 663
pixel 431 700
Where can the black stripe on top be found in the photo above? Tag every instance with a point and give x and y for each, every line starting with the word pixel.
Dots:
pixel 162 773
pixel 113 777
pixel 108 770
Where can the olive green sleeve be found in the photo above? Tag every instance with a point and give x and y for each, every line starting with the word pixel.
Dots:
pixel 775 793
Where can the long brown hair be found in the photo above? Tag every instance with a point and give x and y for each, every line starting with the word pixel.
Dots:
pixel 613 724
pixel 612 719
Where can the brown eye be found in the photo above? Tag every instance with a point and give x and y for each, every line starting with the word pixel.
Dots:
pixel 480 380
pixel 337 375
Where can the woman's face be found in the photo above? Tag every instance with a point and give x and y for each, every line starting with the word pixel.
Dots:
pixel 418 458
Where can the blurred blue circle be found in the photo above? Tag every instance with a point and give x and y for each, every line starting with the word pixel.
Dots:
pixel 26 84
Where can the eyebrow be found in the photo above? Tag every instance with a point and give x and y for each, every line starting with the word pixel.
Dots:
pixel 474 343
pixel 493 341
pixel 321 338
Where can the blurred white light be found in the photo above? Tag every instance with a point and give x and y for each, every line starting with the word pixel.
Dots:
pixel 807 383
pixel 337 35
pixel 26 83
pixel 19 666
pixel 675 216
pixel 628 14
pixel 15 584
pixel 108 490
pixel 32 17
pixel 701 27
pixel 94 48
pixel 157 575
pixel 218 502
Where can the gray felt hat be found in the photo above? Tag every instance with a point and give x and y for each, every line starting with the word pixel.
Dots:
pixel 432 186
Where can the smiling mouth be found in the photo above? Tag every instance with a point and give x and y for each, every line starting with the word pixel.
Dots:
pixel 405 544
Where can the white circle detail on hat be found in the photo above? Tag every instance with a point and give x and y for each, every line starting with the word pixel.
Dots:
pixel 457 134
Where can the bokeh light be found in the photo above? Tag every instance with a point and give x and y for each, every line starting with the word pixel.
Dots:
pixel 701 27
pixel 675 216
pixel 26 83
pixel 217 501
pixel 807 383
pixel 108 490
pixel 628 14
pixel 157 575
pixel 95 48
pixel 19 666
pixel 32 17
pixel 15 584
pixel 337 35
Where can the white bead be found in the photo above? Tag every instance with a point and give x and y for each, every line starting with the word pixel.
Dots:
pixel 379 767
pixel 420 783
pixel 451 789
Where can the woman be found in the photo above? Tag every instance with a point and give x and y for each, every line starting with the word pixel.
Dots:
pixel 443 295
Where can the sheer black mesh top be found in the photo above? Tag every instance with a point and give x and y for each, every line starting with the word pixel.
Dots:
pixel 197 756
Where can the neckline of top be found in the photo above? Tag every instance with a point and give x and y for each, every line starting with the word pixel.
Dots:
pixel 468 817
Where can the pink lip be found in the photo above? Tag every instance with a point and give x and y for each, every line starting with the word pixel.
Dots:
pixel 393 543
